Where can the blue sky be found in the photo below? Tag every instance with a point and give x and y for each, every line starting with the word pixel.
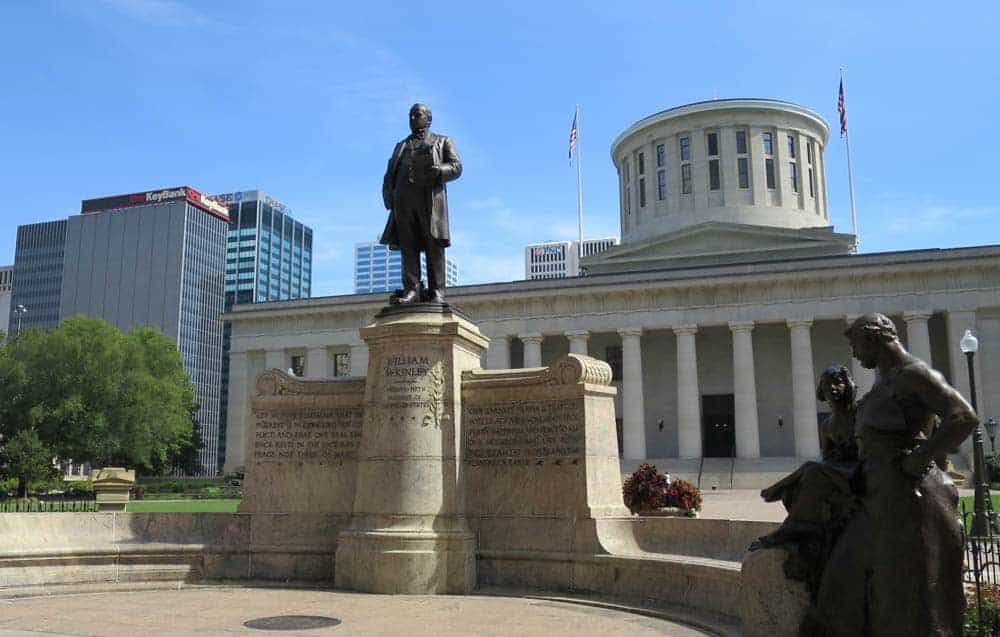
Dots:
pixel 306 99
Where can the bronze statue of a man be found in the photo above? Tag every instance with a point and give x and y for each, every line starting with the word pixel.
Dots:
pixel 414 192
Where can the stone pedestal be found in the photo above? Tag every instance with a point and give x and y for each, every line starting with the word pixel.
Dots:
pixel 408 533
pixel 771 605
pixel 111 487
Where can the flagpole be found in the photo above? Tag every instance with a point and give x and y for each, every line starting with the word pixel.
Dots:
pixel 579 183
pixel 850 171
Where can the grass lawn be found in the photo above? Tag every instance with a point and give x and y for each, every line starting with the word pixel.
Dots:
pixel 970 500
pixel 182 506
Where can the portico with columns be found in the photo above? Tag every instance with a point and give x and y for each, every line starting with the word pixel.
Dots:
pixel 760 334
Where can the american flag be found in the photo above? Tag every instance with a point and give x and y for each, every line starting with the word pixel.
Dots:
pixel 572 138
pixel 841 108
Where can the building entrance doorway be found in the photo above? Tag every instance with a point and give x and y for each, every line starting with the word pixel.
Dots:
pixel 718 419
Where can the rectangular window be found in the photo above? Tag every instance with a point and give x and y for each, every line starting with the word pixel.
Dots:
pixel 642 163
pixel 642 192
pixel 809 152
pixel 793 172
pixel 768 143
pixel 791 145
pixel 341 364
pixel 812 184
pixel 660 155
pixel 743 169
pixel 685 148
pixel 686 179
pixel 298 366
pixel 661 185
pixel 769 173
pixel 713 174
pixel 713 144
pixel 741 142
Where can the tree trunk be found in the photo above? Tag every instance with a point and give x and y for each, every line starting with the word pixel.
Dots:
pixel 22 487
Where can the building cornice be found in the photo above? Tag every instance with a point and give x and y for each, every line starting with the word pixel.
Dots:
pixel 771 272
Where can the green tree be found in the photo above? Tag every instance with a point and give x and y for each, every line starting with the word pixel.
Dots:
pixel 94 394
pixel 28 459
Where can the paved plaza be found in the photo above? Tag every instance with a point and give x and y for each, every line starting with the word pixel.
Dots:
pixel 206 611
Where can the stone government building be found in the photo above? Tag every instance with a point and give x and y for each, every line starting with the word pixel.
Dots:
pixel 724 302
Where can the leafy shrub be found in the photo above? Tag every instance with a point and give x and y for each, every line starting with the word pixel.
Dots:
pixel 646 489
pixel 235 477
pixel 993 467
pixel 971 626
pixel 684 495
pixel 78 489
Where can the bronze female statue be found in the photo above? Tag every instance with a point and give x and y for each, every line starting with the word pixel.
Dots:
pixel 896 566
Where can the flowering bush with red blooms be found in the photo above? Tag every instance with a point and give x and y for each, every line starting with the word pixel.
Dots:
pixel 684 495
pixel 646 489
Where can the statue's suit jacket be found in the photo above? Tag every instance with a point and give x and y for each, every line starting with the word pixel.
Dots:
pixel 445 158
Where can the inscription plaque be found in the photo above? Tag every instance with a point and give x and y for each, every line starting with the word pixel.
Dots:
pixel 524 433
pixel 413 382
pixel 307 435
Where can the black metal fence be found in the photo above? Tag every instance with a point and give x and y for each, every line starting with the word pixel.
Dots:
pixel 982 573
pixel 47 504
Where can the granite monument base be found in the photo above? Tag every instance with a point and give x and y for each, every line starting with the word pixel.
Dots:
pixel 408 532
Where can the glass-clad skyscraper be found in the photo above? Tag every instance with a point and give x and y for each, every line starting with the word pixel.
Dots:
pixel 379 269
pixel 268 258
pixel 268 253
pixel 38 274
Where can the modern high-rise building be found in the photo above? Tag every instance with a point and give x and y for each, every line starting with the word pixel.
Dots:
pixel 6 279
pixel 268 253
pixel 38 274
pixel 268 258
pixel 561 259
pixel 152 259
pixel 379 269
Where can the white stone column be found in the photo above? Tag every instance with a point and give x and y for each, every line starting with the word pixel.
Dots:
pixel 803 390
pixel 276 359
pixel 359 360
pixel 688 396
pixel 745 391
pixel 238 409
pixel 918 338
pixel 863 378
pixel 633 408
pixel 498 354
pixel 578 342
pixel 532 349
pixel 317 362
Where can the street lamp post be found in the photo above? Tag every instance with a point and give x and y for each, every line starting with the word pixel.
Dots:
pixel 20 310
pixel 983 508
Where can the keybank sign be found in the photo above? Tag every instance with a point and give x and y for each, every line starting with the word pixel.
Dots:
pixel 152 197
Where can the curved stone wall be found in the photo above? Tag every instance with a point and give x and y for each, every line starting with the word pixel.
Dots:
pixel 673 561
pixel 748 161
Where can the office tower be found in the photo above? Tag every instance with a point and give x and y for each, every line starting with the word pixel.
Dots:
pixel 379 269
pixel 268 258
pixel 268 253
pixel 38 274
pixel 6 278
pixel 154 259
pixel 561 259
